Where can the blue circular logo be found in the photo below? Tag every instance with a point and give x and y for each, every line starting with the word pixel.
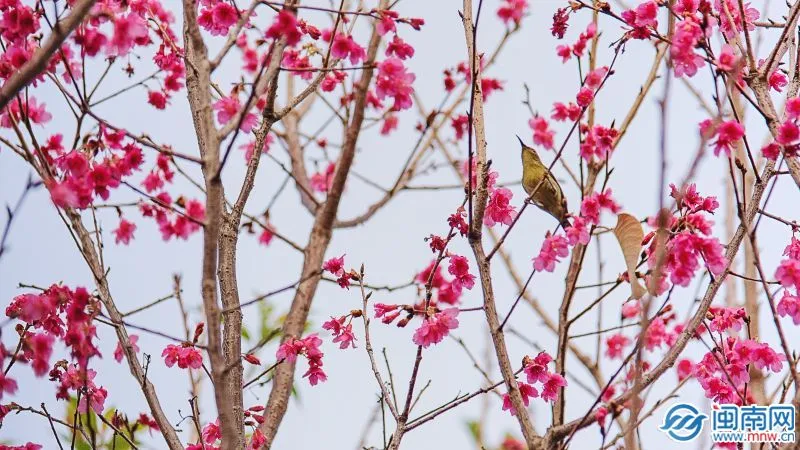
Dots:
pixel 683 422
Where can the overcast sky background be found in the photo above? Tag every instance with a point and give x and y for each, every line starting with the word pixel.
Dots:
pixel 332 415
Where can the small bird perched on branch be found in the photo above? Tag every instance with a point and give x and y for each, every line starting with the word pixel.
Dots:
pixel 548 196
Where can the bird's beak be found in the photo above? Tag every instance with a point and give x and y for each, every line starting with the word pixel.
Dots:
pixel 520 141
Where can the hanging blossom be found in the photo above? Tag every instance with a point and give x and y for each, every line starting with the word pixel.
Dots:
pixel 560 23
pixel 228 107
pixel 542 134
pixel 62 313
pixel 536 370
pixel 185 355
pixel 284 26
pixel 594 204
pixel 171 223
pixel 577 49
pixel 394 81
pixel 307 347
pixel 598 142
pixel 615 345
pixel 788 136
pixel 342 329
pixel 499 208
pixel 124 232
pixel 436 327
pixel 688 32
pixel 789 306
pixel 690 240
pixel 553 249
pixel 345 47
pixel 218 18
pixel 512 11
pixel 788 271
pixel 323 181
pixel 724 319
pixel 446 291
pixel 562 112
pixel 642 19
pixel 335 266
pixel 80 176
pixel 727 134
pixel 78 379
pixel 459 268
pixel 118 353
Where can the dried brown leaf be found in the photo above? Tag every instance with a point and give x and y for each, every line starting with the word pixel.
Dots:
pixel 629 233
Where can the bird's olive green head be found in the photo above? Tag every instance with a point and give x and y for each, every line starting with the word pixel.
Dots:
pixel 527 152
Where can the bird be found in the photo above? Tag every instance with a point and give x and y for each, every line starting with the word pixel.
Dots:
pixel 548 197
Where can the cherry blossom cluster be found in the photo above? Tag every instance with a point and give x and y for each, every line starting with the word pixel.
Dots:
pixel 436 323
pixel 171 221
pixel 498 208
pixel 661 331
pixel 436 326
pixel 537 371
pixel 690 241
pixel 335 266
pixel 60 313
pixel 114 29
pixel 727 134
pixel 724 372
pixel 788 275
pixel 788 137
pixel 307 347
pixel 81 175
pixel 566 52
pixel 342 329
pixel 512 11
pixel 186 355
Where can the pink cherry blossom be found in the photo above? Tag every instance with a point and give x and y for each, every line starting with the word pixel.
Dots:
pixel 459 268
pixel 542 135
pixel 129 30
pixel 211 432
pixel 789 306
pixel 615 344
pixel 526 391
pixel 536 369
pixel 553 249
pixel 551 386
pixel 512 11
pixel 788 273
pixel 124 232
pixel 284 26
pixel 437 327
pixel 399 48
pixel 344 47
pixel 499 208
pixel 593 204
pixel 727 134
pixel 394 81
pixel 118 351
